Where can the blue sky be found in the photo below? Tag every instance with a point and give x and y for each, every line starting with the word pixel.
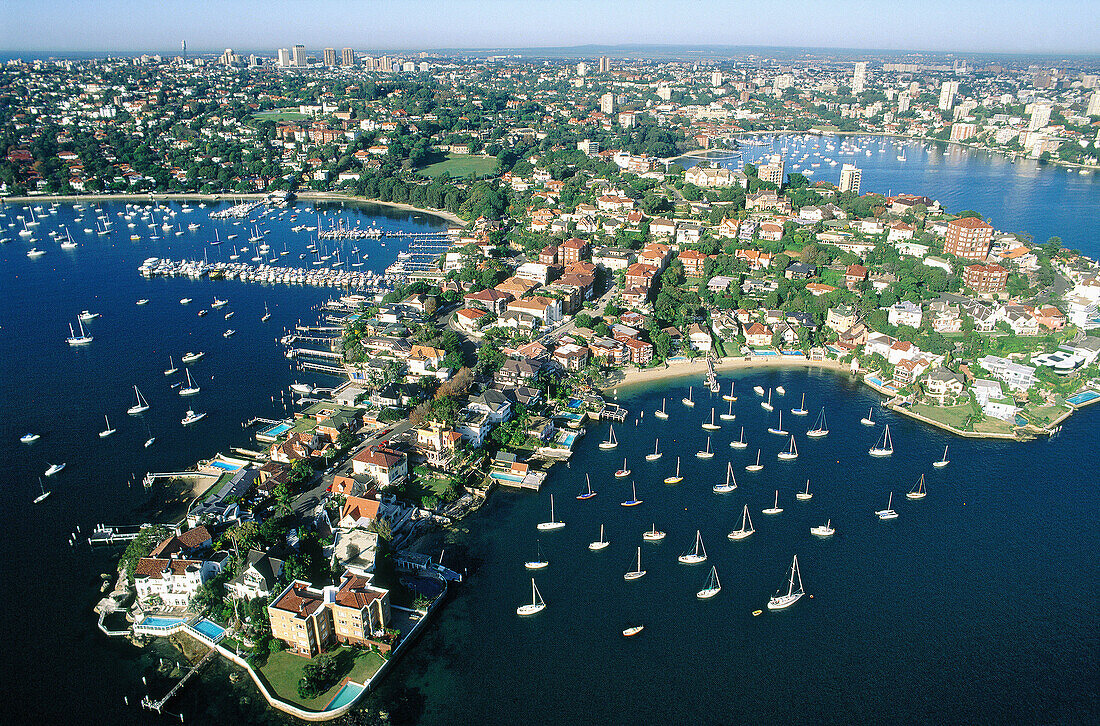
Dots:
pixel 1043 26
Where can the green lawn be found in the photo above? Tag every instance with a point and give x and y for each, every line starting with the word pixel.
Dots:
pixel 957 416
pixel 461 165
pixel 283 671
pixel 279 114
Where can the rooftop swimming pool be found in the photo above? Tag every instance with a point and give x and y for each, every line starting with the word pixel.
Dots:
pixel 209 629
pixel 344 696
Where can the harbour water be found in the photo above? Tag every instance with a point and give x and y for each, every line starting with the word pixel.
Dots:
pixel 978 603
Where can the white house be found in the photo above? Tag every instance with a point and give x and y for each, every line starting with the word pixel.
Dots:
pixel 172 581
pixel 905 313
pixel 1018 376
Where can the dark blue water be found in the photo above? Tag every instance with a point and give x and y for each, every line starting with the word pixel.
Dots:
pixel 1019 195
pixel 978 604
pixel 63 393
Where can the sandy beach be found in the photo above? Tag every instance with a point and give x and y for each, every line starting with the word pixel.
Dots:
pixel 698 367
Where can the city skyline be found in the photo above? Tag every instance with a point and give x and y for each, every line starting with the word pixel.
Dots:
pixel 941 26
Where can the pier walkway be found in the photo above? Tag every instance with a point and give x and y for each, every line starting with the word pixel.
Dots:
pixel 158 706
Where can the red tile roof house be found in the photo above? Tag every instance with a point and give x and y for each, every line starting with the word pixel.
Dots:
pixel 467 318
pixel 694 262
pixel 758 336
pixel 491 299
pixel 385 465
pixel 854 275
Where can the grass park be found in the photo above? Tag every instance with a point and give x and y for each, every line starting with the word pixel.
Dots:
pixel 283 670
pixel 460 166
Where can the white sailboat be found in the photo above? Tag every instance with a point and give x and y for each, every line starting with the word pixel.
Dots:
pixel 637 571
pixel 781 390
pixel 823 530
pixel 778 430
pixel 868 420
pixel 657 454
pixel 624 472
pixel 731 482
pixel 633 501
pixel 599 544
pixel 42 488
pixel 537 603
pixel 746 526
pixel 107 431
pixel 540 562
pixel 705 453
pixel 553 523
pixel 889 512
pixel 712 426
pixel 266 316
pixel 191 389
pixel 782 600
pixel 676 478
pixel 729 415
pixel 821 428
pixel 767 405
pixel 942 462
pixel 918 491
pixel 141 406
pixel 804 496
pixel 695 555
pixel 661 414
pixel 74 339
pixel 801 410
pixel 653 534
pixel 757 466
pixel 774 508
pixel 885 447
pixel 729 396
pixel 740 443
pixel 611 441
pixel 712 586
pixel 790 453
pixel 171 367
pixel 688 400
pixel 759 390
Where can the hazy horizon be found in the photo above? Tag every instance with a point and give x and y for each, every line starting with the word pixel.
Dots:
pixel 935 26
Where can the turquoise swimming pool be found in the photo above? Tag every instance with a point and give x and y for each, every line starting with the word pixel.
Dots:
pixel 159 623
pixel 505 476
pixel 277 430
pixel 210 629
pixel 218 464
pixel 1083 397
pixel 344 696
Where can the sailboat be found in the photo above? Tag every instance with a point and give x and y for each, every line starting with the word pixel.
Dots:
pixel 778 430
pixel 868 420
pixel 82 339
pixel 801 410
pixel 823 530
pixel 267 314
pixel 712 586
pixel 676 479
pixel 781 600
pixel 697 554
pixel 586 494
pixel 731 482
pixel 107 431
pixel 804 495
pixel 141 406
pixel 705 453
pixel 767 405
pixel 537 603
pixel 918 491
pixel 149 441
pixel 653 534
pixel 781 390
pixel 790 453
pixel 774 508
pixel 42 488
pixel 553 523
pixel 191 388
pixel 171 367
pixel 740 443
pixel 729 416
pixel 600 543
pixel 661 414
pixel 688 400
pixel 712 426
pixel 746 526
pixel 657 454
pixel 889 512
pixel 942 462
pixel 624 472
pixel 821 428
pixel 637 571
pixel 539 563
pixel 633 501
pixel 729 396
pixel 611 441
pixel 757 466
pixel 759 390
pixel 885 447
